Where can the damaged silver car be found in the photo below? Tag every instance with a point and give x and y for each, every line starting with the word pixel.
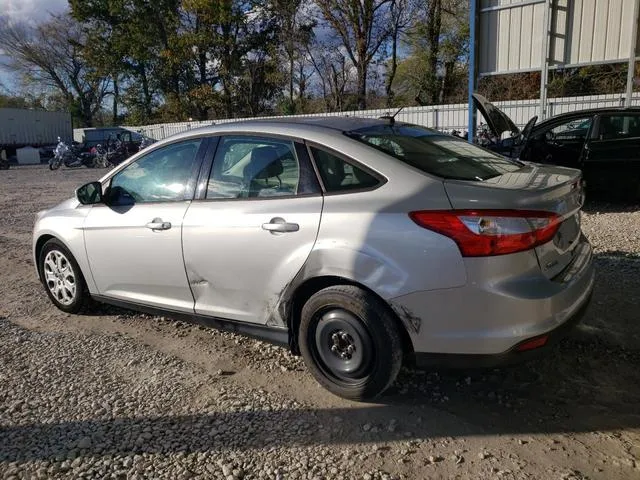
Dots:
pixel 358 243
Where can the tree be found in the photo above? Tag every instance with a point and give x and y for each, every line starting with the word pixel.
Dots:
pixel 438 41
pixel 333 73
pixel 362 26
pixel 131 40
pixel 50 54
pixel 401 16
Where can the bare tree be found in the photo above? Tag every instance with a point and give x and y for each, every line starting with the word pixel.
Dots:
pixel 333 73
pixel 401 16
pixel 50 55
pixel 362 26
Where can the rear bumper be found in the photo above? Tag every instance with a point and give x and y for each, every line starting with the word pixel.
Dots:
pixel 510 357
pixel 496 310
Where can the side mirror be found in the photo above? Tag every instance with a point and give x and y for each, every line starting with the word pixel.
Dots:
pixel 90 193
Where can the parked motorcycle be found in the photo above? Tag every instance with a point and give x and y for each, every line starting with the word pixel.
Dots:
pixel 70 157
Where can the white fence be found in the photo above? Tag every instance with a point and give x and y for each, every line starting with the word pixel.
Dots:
pixel 441 117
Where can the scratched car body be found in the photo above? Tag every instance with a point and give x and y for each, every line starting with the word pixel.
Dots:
pixel 358 243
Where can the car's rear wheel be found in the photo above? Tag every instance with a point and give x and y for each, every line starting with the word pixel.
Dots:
pixel 350 341
pixel 62 277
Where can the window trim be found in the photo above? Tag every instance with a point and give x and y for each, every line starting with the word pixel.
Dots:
pixel 190 188
pixel 595 129
pixel 216 140
pixel 382 180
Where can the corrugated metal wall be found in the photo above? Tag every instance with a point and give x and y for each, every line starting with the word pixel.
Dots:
pixel 582 31
pixel 20 127
pixel 441 117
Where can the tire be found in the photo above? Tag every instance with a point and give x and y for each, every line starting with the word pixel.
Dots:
pixel 62 277
pixel 365 362
pixel 54 165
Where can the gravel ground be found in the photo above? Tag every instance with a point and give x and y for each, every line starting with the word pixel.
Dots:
pixel 114 394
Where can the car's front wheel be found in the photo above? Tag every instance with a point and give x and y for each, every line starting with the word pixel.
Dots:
pixel 62 277
pixel 350 342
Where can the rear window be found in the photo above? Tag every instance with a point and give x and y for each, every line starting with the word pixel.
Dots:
pixel 435 153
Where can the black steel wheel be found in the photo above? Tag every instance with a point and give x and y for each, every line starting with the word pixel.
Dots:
pixel 350 341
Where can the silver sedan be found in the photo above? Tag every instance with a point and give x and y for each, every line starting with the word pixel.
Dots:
pixel 359 243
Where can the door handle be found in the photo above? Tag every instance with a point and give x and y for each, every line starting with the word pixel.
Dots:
pixel 278 225
pixel 158 224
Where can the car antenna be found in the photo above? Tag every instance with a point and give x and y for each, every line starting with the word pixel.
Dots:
pixel 391 118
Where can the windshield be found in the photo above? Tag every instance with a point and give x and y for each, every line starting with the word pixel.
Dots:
pixel 435 153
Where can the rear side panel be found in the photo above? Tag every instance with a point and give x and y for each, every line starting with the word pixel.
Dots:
pixel 368 238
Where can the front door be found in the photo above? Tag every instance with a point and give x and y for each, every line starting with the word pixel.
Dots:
pixel 134 242
pixel 560 144
pixel 253 229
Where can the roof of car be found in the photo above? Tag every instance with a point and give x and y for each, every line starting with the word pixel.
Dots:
pixel 342 122
pixel 333 123
pixel 589 111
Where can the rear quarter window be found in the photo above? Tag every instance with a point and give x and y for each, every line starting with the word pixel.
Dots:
pixel 435 153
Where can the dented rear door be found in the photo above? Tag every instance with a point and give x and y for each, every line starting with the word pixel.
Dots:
pixel 248 238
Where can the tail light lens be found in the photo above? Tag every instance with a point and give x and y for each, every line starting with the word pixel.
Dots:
pixel 481 233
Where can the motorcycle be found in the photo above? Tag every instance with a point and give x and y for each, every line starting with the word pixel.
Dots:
pixel 70 157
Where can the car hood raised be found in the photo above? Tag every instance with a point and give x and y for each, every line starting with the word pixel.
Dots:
pixel 497 120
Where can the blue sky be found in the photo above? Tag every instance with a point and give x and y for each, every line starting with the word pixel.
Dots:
pixel 32 11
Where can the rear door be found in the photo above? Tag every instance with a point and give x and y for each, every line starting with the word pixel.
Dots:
pixel 251 228
pixel 611 162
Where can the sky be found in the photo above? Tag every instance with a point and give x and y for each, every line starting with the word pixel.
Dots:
pixel 31 11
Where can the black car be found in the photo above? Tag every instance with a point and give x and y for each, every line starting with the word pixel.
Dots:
pixel 603 142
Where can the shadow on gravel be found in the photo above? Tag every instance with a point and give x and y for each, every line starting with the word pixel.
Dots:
pixel 582 386
pixel 590 382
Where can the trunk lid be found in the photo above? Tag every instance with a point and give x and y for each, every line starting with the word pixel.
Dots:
pixel 533 187
pixel 497 120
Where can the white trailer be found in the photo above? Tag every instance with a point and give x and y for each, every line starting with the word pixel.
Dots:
pixel 34 128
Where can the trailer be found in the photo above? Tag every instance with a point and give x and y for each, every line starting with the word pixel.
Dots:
pixel 21 128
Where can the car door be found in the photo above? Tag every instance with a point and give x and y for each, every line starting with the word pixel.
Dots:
pixel 560 143
pixel 251 228
pixel 612 157
pixel 134 240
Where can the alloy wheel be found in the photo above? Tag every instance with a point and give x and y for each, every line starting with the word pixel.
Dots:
pixel 60 277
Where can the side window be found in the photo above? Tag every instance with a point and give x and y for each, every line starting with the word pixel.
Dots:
pixel 574 130
pixel 160 176
pixel 613 127
pixel 338 175
pixel 249 167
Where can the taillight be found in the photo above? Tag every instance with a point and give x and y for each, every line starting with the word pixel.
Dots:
pixel 481 233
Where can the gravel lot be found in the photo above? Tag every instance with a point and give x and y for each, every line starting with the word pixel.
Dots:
pixel 114 394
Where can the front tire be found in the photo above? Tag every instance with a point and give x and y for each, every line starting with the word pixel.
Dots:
pixel 62 277
pixel 350 342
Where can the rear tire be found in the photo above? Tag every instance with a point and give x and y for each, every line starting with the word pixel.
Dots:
pixel 62 277
pixel 350 342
